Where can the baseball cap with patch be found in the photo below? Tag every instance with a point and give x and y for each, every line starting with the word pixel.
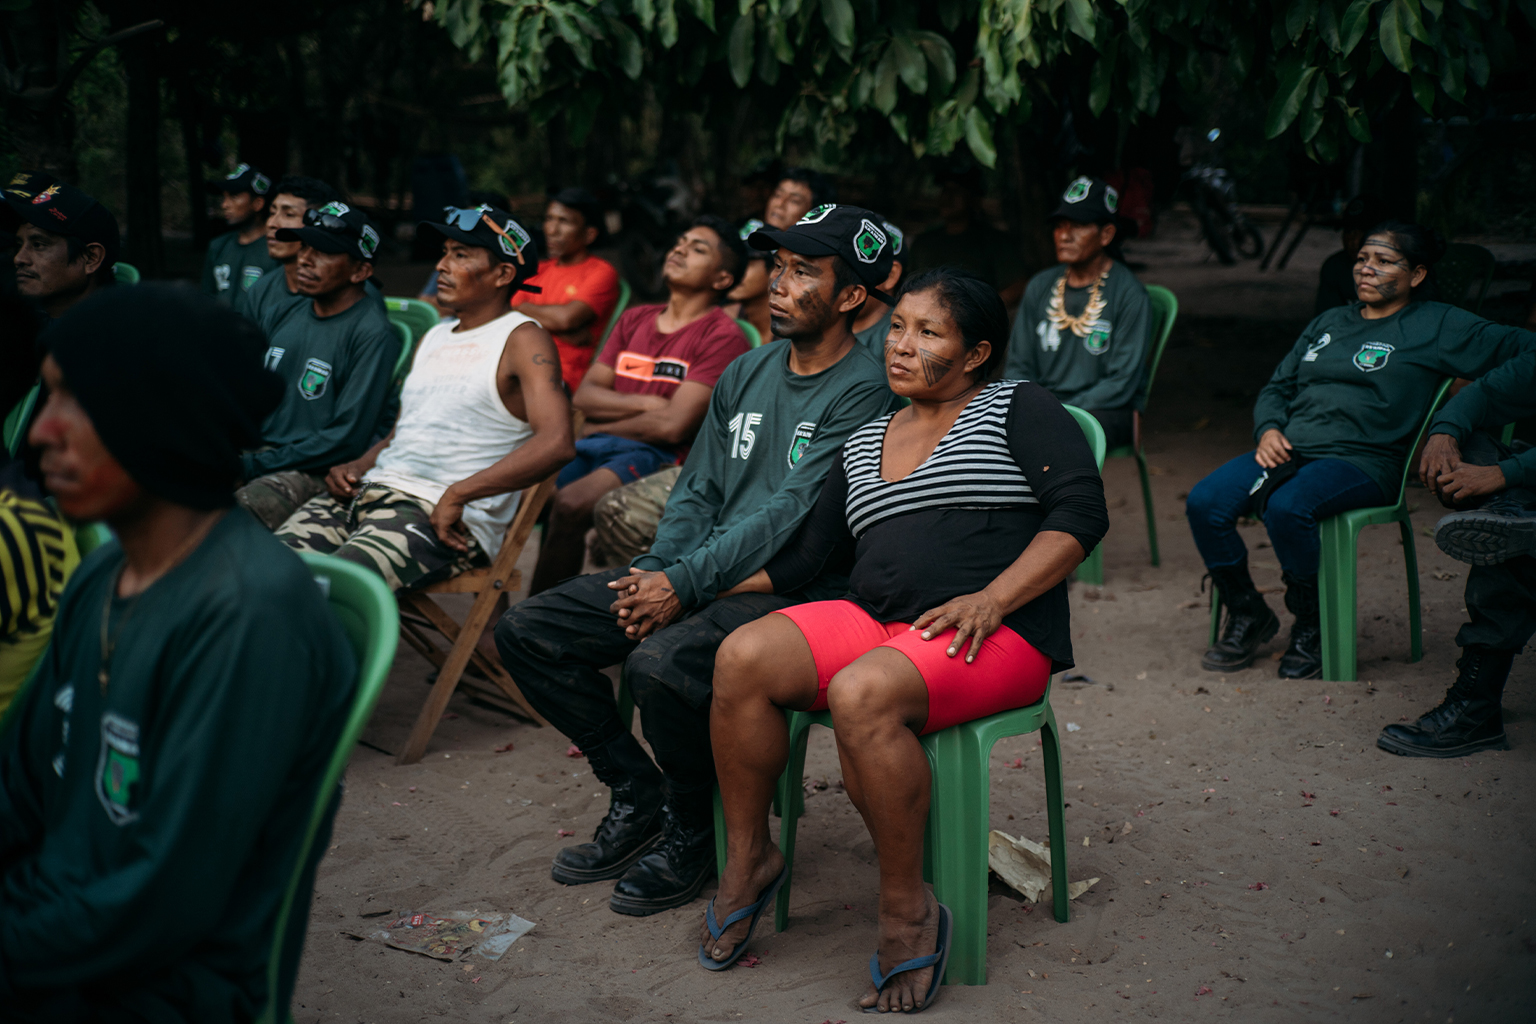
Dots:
pixel 487 227
pixel 244 178
pixel 1089 201
pixel 59 208
pixel 852 232
pixel 336 228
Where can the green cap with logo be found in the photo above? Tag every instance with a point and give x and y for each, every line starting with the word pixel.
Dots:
pixel 858 235
pixel 336 228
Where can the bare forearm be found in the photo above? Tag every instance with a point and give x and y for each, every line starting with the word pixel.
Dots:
pixel 1048 560
pixel 660 426
pixel 527 466
pixel 561 319
pixel 604 405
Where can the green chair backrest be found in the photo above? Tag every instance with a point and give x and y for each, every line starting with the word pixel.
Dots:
pixel 625 293
pixel 1418 439
pixel 1463 273
pixel 17 419
pixel 1165 310
pixel 420 317
pixel 125 273
pixel 407 349
pixel 754 336
pixel 371 619
pixel 1092 429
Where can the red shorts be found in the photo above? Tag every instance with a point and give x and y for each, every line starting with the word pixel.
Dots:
pixel 1008 672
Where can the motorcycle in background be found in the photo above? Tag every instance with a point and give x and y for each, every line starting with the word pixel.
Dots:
pixel 1212 193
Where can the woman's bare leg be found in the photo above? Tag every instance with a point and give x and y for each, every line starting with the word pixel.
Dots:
pixel 879 704
pixel 761 668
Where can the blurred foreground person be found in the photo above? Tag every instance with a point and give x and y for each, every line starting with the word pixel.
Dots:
pixel 1493 487
pixel 156 777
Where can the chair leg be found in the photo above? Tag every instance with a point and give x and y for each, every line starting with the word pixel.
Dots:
pixel 1337 599
pixel 1091 569
pixel 719 834
pixel 1411 562
pixel 1215 617
pixel 1146 501
pixel 791 799
pixel 960 812
pixel 1055 810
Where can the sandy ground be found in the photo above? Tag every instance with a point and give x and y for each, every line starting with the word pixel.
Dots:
pixel 1276 866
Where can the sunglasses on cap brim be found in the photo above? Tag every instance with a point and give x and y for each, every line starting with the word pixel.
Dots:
pixel 329 221
pixel 468 220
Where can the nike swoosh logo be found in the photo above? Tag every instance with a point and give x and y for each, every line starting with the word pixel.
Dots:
pixel 429 538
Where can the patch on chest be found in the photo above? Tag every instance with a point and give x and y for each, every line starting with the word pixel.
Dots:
pixel 117 769
pixel 317 372
pixel 1096 341
pixel 802 440
pixel 1373 355
pixel 249 276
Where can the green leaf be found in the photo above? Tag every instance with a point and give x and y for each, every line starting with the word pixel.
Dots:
pixel 1294 80
pixel 899 126
pixel 778 38
pixel 1354 120
pixel 910 64
pixel 1326 145
pixel 1357 19
pixel 1298 16
pixel 1328 26
pixel 1080 20
pixel 941 60
pixel 1435 7
pixel 978 135
pixel 666 22
pixel 704 10
pixel 1423 91
pixel 1396 43
pixel 950 12
pixel 1453 76
pixel 1312 110
pixel 627 48
pixel 1102 79
pixel 885 82
pixel 1412 22
pixel 838 16
pixel 645 10
pixel 738 48
pixel 567 29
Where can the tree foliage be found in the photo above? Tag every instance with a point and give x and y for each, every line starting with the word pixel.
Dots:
pixel 946 73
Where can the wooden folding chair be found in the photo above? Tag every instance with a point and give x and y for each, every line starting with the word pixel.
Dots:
pixel 421 615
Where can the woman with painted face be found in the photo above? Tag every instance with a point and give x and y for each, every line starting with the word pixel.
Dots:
pixel 963 515
pixel 1333 426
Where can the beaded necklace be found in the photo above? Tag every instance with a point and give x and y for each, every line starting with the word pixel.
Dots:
pixel 1081 324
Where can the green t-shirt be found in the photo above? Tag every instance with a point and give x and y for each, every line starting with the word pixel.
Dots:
pixel 1104 370
pixel 148 832
pixel 1506 394
pixel 1358 389
pixel 231 270
pixel 873 337
pixel 336 376
pixel 757 466
pixel 269 301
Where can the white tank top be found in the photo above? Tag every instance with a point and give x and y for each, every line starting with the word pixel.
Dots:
pixel 453 423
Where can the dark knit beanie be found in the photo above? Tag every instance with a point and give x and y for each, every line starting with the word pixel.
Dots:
pixel 173 383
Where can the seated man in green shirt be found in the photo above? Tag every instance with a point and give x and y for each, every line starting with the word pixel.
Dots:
pixel 1495 485
pixel 157 775
pixel 275 295
pixel 336 357
pixel 1083 327
pixel 238 258
pixel 777 418
pixel 1334 426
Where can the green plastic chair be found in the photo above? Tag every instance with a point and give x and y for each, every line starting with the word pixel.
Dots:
pixel 754 336
pixel 1463 275
pixel 418 316
pixel 369 615
pixel 125 273
pixel 1336 572
pixel 1165 310
pixel 17 419
pixel 625 293
pixel 407 350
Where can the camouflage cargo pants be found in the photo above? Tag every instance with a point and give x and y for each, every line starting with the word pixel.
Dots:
pixel 382 529
pixel 276 496
pixel 626 517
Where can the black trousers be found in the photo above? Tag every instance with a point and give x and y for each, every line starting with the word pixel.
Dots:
pixel 1501 599
pixel 555 645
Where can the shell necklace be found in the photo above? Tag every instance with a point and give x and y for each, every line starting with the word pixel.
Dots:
pixel 1081 324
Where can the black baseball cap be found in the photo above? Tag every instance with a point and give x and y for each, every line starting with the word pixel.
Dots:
pixel 336 228
pixel 851 232
pixel 45 202
pixel 493 229
pixel 244 178
pixel 1089 201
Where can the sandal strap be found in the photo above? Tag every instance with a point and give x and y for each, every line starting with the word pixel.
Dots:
pixel 917 963
pixel 718 930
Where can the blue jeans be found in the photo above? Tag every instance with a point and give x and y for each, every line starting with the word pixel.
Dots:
pixel 628 458
pixel 1321 488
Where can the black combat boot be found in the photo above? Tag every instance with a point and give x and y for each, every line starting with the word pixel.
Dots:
pixel 672 874
pixel 633 822
pixel 1469 719
pixel 1502 528
pixel 1249 620
pixel 1303 658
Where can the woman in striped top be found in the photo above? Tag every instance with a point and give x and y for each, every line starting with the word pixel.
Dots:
pixel 963 515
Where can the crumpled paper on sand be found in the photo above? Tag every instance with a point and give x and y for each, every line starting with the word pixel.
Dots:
pixel 446 936
pixel 1026 866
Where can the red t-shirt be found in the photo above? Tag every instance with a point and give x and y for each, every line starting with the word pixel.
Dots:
pixel 593 281
pixel 647 362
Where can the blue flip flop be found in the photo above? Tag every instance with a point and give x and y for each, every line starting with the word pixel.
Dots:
pixel 752 910
pixel 938 960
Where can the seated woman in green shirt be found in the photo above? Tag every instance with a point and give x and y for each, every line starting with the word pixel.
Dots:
pixel 1333 427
